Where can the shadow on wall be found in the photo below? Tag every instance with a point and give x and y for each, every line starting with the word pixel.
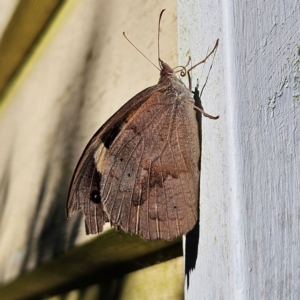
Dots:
pixel 57 233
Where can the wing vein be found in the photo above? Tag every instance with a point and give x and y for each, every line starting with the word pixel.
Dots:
pixel 142 135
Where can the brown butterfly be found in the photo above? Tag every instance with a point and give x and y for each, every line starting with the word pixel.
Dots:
pixel 140 170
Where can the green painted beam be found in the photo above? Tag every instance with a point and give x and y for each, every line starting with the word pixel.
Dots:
pixel 28 23
pixel 110 255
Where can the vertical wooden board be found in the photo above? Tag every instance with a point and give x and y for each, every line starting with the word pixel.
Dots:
pixel 208 251
pixel 250 189
pixel 269 145
pixel 82 71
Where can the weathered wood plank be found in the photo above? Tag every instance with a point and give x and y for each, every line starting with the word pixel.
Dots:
pixel 250 180
pixel 110 255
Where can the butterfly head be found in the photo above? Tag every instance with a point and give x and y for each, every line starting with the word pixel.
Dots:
pixel 165 68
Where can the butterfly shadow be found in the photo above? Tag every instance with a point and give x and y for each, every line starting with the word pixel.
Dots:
pixel 193 237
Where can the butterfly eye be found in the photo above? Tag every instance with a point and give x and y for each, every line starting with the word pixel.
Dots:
pixel 95 197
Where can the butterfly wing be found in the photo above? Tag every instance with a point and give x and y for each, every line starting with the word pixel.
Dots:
pixel 150 179
pixel 84 192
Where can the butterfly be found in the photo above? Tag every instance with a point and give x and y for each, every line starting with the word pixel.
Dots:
pixel 140 170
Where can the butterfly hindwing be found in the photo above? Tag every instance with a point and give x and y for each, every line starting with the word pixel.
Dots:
pixel 150 178
pixel 84 193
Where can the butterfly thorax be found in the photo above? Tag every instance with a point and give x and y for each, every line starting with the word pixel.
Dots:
pixel 174 86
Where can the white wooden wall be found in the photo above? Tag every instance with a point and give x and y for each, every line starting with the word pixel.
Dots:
pixel 250 182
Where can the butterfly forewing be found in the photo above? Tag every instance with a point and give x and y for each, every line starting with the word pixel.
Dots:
pixel 84 193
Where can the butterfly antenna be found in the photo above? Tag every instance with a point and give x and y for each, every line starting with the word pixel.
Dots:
pixel 207 56
pixel 158 37
pixel 206 80
pixel 140 51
